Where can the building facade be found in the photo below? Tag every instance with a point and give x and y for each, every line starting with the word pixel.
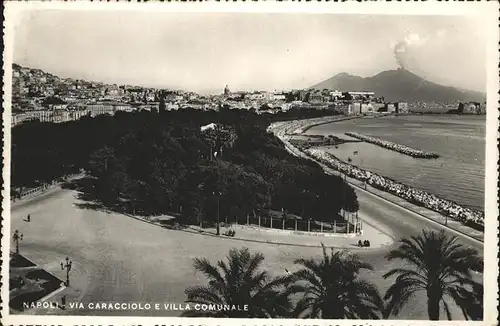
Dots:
pixel 402 107
pixel 99 108
pixel 366 108
pixel 362 95
pixel 390 107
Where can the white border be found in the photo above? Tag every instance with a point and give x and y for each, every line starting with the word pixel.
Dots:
pixel 489 12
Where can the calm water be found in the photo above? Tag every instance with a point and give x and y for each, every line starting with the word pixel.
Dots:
pixel 458 174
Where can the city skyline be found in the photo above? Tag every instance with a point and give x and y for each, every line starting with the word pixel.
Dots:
pixel 169 51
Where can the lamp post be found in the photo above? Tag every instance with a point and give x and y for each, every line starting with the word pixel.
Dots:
pixel 67 266
pixel 303 191
pixel 17 237
pixel 218 194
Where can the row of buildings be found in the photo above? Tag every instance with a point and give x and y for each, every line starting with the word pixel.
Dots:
pixel 38 95
pixel 31 87
pixel 471 108
pixel 61 113
pixel 367 108
pixel 262 102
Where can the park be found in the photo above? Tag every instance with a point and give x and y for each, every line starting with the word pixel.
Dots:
pixel 122 249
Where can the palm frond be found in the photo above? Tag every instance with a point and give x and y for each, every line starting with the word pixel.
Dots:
pixel 202 294
pixel 204 266
pixel 399 293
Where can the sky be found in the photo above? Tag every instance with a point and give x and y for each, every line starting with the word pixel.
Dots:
pixel 203 52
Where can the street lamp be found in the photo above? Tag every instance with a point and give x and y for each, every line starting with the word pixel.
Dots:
pixel 218 194
pixel 303 191
pixel 17 237
pixel 67 266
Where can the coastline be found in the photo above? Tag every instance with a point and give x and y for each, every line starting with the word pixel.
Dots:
pixel 297 127
pixel 473 219
pixel 306 128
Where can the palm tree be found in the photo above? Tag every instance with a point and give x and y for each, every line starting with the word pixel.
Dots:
pixel 442 268
pixel 331 289
pixel 239 282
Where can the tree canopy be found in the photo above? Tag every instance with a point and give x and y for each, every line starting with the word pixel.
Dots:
pixel 158 163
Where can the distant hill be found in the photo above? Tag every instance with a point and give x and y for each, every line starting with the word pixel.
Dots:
pixel 399 85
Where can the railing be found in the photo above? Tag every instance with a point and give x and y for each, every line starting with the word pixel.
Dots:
pixel 41 189
pixel 266 222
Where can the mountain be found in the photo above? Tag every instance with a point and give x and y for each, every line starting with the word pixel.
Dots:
pixel 400 85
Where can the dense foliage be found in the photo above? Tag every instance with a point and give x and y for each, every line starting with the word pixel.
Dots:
pixel 154 163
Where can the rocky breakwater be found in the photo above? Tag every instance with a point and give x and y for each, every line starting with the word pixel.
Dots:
pixel 417 153
pixel 468 216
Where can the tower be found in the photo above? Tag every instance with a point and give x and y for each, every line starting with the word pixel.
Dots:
pixel 226 90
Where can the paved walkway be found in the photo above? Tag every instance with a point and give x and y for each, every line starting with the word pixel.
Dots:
pixel 378 239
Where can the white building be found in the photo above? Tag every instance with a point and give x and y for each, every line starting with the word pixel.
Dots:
pixel 100 108
pixel 366 108
pixel 402 107
pixel 278 97
pixel 391 108
pixel 41 115
pixel 334 94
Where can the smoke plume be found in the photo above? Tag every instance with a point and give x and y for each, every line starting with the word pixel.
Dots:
pixel 400 54
pixel 401 49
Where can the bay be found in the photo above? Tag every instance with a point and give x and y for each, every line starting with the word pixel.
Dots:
pixel 458 174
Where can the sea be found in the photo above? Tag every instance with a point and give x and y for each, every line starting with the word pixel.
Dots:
pixel 457 175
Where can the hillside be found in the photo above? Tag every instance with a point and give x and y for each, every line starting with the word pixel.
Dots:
pixel 399 85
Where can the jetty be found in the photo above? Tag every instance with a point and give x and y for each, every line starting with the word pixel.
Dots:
pixel 403 149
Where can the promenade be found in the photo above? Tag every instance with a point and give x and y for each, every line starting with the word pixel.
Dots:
pixel 284 130
pixel 469 217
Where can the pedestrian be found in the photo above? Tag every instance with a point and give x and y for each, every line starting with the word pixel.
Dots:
pixel 28 218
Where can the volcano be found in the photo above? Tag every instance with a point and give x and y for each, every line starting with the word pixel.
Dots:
pixel 400 85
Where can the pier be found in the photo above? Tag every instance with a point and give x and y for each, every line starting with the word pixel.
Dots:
pixel 403 149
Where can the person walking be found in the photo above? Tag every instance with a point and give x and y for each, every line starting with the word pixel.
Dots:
pixel 28 218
